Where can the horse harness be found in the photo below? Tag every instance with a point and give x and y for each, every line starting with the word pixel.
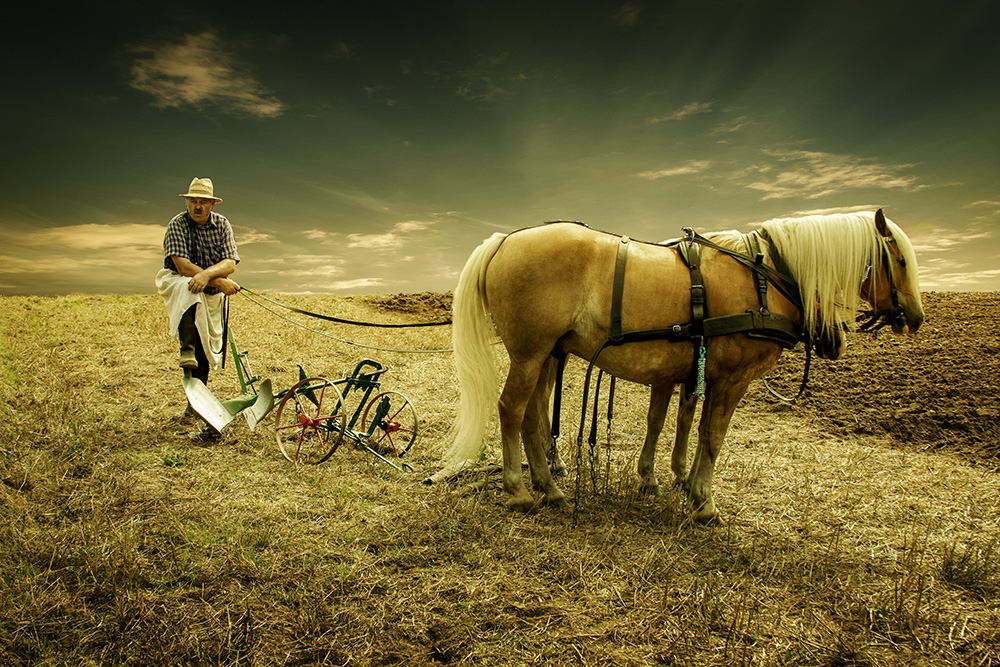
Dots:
pixel 759 323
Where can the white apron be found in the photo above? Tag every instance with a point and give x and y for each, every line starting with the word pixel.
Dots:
pixel 173 287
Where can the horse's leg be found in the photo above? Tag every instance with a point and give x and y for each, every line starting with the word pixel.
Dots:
pixel 721 400
pixel 536 434
pixel 556 465
pixel 522 381
pixel 686 405
pixel 659 401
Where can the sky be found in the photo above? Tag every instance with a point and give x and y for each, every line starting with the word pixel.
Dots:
pixel 369 147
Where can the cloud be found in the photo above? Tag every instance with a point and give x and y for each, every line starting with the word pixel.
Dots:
pixel 689 110
pixel 627 16
pixel 41 260
pixel 95 236
pixel 689 167
pixel 729 127
pixel 386 241
pixel 320 235
pixel 357 283
pixel 815 174
pixel 482 80
pixel 987 208
pixel 248 235
pixel 940 238
pixel 199 72
pixel 973 280
pixel 394 238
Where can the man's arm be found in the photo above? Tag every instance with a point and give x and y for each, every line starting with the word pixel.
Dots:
pixel 215 275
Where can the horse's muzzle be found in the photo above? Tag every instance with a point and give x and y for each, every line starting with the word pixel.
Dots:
pixel 907 321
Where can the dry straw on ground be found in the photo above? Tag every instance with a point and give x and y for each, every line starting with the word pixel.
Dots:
pixel 128 538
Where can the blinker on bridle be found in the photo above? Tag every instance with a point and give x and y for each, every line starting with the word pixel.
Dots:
pixel 873 320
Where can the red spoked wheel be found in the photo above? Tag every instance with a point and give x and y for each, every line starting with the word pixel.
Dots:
pixel 396 425
pixel 310 422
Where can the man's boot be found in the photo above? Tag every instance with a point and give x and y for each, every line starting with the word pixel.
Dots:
pixel 187 332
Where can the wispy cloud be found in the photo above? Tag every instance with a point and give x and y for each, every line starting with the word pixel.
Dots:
pixel 731 126
pixel 689 167
pixel 396 237
pixel 75 257
pixel 200 72
pixel 320 235
pixel 958 281
pixel 814 174
pixel 93 236
pixel 483 79
pixel 627 16
pixel 247 235
pixel 691 109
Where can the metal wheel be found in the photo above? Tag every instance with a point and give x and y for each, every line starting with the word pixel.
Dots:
pixel 396 424
pixel 310 422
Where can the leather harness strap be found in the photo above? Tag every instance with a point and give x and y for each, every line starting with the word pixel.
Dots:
pixel 691 254
pixel 756 323
pixel 618 288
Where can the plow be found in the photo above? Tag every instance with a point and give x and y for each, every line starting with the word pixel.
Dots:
pixel 314 416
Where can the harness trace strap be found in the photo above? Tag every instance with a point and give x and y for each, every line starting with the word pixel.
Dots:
pixel 330 318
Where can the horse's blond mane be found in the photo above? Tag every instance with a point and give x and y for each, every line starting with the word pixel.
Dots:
pixel 829 257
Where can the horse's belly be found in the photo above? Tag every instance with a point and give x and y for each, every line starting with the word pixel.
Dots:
pixel 649 362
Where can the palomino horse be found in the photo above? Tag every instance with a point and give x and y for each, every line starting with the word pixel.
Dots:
pixel 547 292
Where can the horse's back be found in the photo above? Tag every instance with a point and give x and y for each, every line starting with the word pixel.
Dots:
pixel 555 282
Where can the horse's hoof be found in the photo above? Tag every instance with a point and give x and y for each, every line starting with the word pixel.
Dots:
pixel 706 517
pixel 557 503
pixel 652 490
pixel 524 505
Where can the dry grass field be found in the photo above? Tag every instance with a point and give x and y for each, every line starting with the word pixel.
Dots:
pixel 860 526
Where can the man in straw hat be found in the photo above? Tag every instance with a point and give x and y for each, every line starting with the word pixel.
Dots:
pixel 199 255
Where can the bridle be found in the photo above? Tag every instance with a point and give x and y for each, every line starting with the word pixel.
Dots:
pixel 873 320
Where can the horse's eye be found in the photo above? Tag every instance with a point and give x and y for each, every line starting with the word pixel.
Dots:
pixel 902 263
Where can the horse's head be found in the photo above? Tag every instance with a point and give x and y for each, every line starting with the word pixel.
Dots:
pixel 891 286
pixel 830 344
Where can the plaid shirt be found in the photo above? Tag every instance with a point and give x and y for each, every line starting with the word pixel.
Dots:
pixel 203 246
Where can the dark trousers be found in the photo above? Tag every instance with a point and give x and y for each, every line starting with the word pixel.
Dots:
pixel 187 332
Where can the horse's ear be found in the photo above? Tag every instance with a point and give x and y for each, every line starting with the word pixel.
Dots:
pixel 880 225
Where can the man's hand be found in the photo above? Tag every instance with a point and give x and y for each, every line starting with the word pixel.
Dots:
pixel 226 286
pixel 199 282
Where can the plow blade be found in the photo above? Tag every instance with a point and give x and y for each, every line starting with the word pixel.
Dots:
pixel 260 407
pixel 218 414
pixel 206 404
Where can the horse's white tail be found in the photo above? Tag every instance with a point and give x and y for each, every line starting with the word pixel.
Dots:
pixel 472 337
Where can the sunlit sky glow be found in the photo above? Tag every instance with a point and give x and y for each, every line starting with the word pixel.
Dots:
pixel 369 147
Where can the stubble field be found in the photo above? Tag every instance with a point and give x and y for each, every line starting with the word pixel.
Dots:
pixel 859 525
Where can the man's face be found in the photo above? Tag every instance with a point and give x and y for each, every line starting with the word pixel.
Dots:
pixel 199 209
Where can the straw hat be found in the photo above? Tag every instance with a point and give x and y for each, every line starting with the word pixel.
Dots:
pixel 201 188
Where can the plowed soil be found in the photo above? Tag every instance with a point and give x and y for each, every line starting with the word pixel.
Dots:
pixel 937 389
